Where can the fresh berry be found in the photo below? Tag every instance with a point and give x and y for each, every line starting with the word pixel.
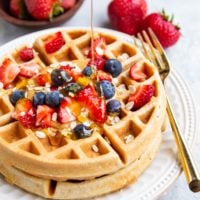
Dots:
pixel 106 89
pixel 167 33
pixel 89 98
pixel 67 4
pixel 26 54
pixel 53 99
pixel 64 113
pixel 54 43
pixel 44 116
pixel 25 113
pixel 18 9
pixel 73 87
pixel 43 9
pixel 43 78
pixel 60 77
pixel 70 70
pixel 113 107
pixel 87 71
pixel 39 99
pixel 98 62
pixel 113 66
pixel 142 96
pixel 82 131
pixel 8 72
pixel 97 48
pixel 101 75
pixel 136 73
pixel 16 95
pixel 29 69
pixel 126 15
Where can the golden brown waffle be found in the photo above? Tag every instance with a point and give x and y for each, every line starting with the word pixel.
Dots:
pixel 114 149
pixel 83 189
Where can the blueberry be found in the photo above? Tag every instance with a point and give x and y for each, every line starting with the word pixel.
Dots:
pixel 16 95
pixel 113 107
pixel 73 87
pixel 113 66
pixel 39 98
pixel 87 71
pixel 106 88
pixel 53 99
pixel 59 77
pixel 82 131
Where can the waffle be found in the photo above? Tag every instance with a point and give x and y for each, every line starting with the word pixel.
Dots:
pixel 112 151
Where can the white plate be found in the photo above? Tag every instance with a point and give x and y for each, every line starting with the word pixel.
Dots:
pixel 165 168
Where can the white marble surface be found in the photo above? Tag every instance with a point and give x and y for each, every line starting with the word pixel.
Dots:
pixel 185 57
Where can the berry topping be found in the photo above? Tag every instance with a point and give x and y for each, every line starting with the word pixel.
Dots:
pixel 17 8
pixel 89 98
pixel 8 72
pixel 70 70
pixel 43 79
pixel 142 96
pixel 44 116
pixel 39 99
pixel 113 66
pixel 64 113
pixel 101 75
pixel 106 89
pixel 54 43
pixel 98 61
pixel 29 69
pixel 113 107
pixel 73 87
pixel 26 54
pixel 25 113
pixel 59 77
pixel 87 71
pixel 136 73
pixel 16 95
pixel 53 99
pixel 82 131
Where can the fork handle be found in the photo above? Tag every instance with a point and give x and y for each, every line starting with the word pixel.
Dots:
pixel 188 164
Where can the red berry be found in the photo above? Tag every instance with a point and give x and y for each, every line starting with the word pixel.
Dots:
pixel 25 113
pixel 17 8
pixel 98 61
pixel 26 54
pixel 126 15
pixel 29 69
pixel 54 43
pixel 89 98
pixel 101 75
pixel 167 33
pixel 43 78
pixel 67 4
pixel 136 73
pixel 8 72
pixel 142 96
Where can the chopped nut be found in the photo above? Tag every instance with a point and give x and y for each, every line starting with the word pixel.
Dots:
pixel 128 138
pixel 40 134
pixel 52 132
pixel 95 148
pixel 132 88
pixel 113 120
pixel 129 105
pixel 72 125
pixel 123 57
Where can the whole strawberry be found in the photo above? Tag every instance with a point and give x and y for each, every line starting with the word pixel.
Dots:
pixel 43 9
pixel 18 9
pixel 162 25
pixel 67 4
pixel 126 15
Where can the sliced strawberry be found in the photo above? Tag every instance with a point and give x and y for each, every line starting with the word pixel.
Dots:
pixel 29 69
pixel 99 46
pixel 8 72
pixel 26 54
pixel 44 116
pixel 25 113
pixel 101 75
pixel 136 73
pixel 98 61
pixel 142 96
pixel 64 113
pixel 89 98
pixel 54 43
pixel 42 79
pixel 74 74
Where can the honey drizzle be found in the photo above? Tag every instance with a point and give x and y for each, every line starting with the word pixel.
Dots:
pixel 92 29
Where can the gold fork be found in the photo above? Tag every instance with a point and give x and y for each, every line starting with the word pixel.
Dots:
pixel 154 52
